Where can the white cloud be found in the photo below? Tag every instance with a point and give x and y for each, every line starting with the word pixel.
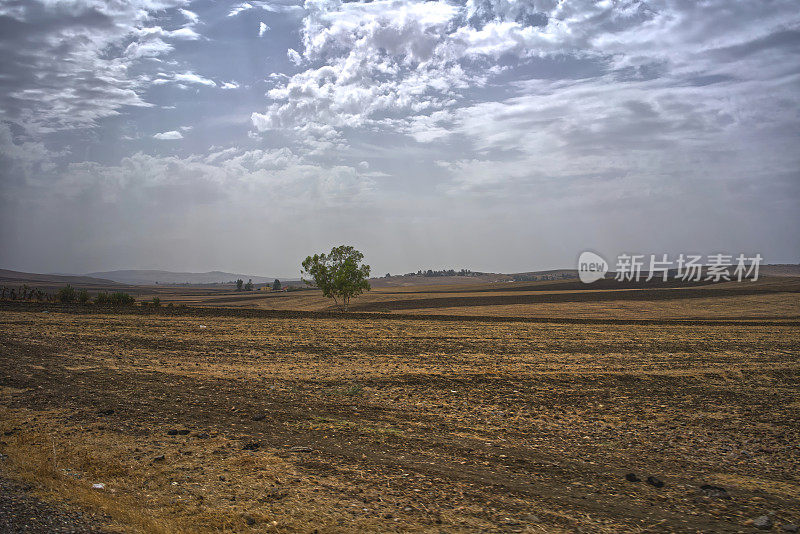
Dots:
pixel 262 29
pixel 168 136
pixel 239 8
pixel 74 66
pixel 274 7
pixel 183 78
pixel 191 77
pixel 229 85
pixel 152 47
pixel 294 56
pixel 191 16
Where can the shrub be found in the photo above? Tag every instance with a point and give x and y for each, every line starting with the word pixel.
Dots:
pixel 114 299
pixel 122 299
pixel 83 296
pixel 66 294
pixel 156 302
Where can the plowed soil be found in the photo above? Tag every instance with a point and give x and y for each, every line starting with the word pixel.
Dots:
pixel 203 422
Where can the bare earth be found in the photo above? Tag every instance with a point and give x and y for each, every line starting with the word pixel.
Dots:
pixel 208 423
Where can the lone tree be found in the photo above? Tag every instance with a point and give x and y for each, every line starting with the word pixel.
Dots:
pixel 239 284
pixel 276 285
pixel 340 275
pixel 249 285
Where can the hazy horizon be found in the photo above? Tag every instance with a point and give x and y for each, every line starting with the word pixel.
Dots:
pixel 497 136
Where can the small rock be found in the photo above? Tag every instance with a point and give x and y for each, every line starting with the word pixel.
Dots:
pixel 714 492
pixel 159 458
pixel 259 417
pixel 253 445
pixel 249 520
pixel 201 435
pixel 653 481
pixel 101 486
pixel 763 522
pixel 105 412
pixel 631 477
pixel 789 527
pixel 301 448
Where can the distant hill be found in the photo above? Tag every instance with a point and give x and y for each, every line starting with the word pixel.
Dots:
pixel 152 277
pixel 780 269
pixel 18 277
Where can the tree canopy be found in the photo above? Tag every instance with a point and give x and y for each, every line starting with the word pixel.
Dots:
pixel 340 275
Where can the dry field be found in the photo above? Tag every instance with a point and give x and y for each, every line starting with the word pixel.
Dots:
pixel 771 298
pixel 381 424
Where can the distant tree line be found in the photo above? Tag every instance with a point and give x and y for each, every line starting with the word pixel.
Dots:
pixel 69 295
pixel 443 272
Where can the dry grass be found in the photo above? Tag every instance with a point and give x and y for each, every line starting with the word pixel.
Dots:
pixel 413 425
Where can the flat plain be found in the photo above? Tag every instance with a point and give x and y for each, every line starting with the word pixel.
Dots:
pixel 195 421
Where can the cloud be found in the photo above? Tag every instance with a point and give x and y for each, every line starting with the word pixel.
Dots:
pixel 191 16
pixel 69 65
pixel 229 85
pixel 191 77
pixel 262 29
pixel 183 78
pixel 168 136
pixel 239 8
pixel 274 7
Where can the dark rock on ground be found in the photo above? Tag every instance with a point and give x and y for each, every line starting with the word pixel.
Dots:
pixel 301 448
pixel 631 477
pixel 763 522
pixel 159 458
pixel 259 417
pixel 715 492
pixel 105 412
pixel 653 481
pixel 790 527
pixel 253 445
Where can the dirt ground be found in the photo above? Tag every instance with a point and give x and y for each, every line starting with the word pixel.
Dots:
pixel 209 423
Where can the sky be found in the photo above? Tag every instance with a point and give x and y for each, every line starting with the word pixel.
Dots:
pixel 494 135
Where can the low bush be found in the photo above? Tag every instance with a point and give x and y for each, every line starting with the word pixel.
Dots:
pixel 66 294
pixel 83 297
pixel 114 299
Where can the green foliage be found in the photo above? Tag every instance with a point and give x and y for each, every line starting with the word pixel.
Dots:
pixel 249 285
pixel 66 294
pixel 156 302
pixel 114 299
pixel 239 284
pixel 340 274
pixel 83 296
pixel 276 285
